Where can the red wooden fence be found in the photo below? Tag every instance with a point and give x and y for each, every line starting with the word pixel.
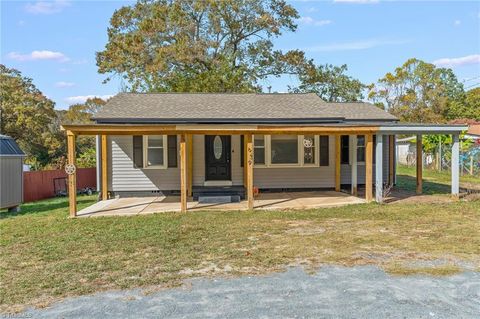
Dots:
pixel 39 184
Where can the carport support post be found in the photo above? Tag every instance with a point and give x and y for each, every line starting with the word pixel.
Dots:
pixel 72 178
pixel 183 174
pixel 379 169
pixel 391 159
pixel 249 165
pixel 455 165
pixel 337 163
pixel 353 142
pixel 104 168
pixel 419 162
pixel 368 168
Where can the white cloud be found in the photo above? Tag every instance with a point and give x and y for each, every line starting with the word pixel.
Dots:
pixel 457 22
pixel 83 98
pixel 63 84
pixel 356 1
pixel 314 22
pixel 355 45
pixel 47 7
pixel 38 55
pixel 461 61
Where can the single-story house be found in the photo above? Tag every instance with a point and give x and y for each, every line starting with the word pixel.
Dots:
pixel 189 143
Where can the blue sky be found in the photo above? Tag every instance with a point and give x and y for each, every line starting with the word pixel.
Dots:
pixel 54 42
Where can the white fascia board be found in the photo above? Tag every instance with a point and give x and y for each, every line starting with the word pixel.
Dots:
pixel 430 129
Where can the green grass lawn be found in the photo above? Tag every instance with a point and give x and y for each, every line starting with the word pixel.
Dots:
pixel 434 182
pixel 45 255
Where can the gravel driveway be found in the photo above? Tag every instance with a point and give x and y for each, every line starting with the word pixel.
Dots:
pixel 332 292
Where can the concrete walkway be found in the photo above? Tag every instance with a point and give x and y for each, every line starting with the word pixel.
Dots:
pixel 332 292
pixel 284 200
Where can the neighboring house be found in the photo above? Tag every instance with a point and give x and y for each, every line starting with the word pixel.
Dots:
pixel 188 142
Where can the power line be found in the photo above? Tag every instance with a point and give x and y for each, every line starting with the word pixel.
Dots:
pixel 471 86
pixel 471 79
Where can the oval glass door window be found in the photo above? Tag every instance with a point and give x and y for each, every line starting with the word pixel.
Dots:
pixel 217 147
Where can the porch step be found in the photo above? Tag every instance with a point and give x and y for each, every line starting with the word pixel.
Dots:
pixel 211 191
pixel 218 199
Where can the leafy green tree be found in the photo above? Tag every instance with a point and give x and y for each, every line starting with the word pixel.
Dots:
pixel 330 83
pixel 198 46
pixel 466 108
pixel 27 116
pixel 80 113
pixel 418 92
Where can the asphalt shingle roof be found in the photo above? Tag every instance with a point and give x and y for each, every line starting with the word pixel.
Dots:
pixel 211 107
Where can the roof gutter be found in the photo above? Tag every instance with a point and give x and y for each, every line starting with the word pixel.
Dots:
pixel 220 121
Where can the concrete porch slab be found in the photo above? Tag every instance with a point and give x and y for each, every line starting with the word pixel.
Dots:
pixel 268 201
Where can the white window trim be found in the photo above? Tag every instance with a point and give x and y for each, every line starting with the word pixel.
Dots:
pixel 165 153
pixel 364 147
pixel 300 154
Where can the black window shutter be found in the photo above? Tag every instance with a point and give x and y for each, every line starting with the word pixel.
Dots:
pixel 324 150
pixel 172 150
pixel 241 150
pixel 374 149
pixel 138 151
pixel 345 144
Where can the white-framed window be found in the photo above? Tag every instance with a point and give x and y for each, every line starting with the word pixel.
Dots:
pixel 155 151
pixel 286 150
pixel 259 150
pixel 361 148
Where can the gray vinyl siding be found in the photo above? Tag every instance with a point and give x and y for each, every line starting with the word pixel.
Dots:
pixel 298 177
pixel 346 170
pixel 11 181
pixel 124 177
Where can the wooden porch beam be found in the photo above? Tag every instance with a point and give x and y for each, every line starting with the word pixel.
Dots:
pixel 183 174
pixel 132 129
pixel 338 164
pixel 369 168
pixel 104 167
pixel 249 165
pixel 72 178
pixel 190 164
pixel 419 162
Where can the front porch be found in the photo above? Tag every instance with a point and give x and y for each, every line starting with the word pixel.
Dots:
pixel 269 201
pixel 377 145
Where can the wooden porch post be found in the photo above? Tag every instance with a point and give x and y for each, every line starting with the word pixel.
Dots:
pixel 337 163
pixel 368 168
pixel 190 163
pixel 104 168
pixel 249 165
pixel 391 160
pixel 72 178
pixel 419 164
pixel 183 174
